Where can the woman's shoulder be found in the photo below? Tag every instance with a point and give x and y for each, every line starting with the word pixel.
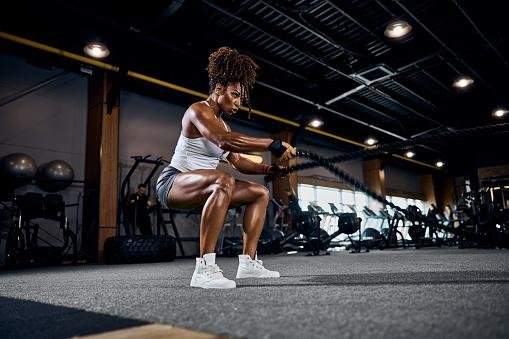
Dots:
pixel 198 108
pixel 199 105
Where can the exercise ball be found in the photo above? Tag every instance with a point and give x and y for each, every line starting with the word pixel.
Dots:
pixel 54 176
pixel 17 169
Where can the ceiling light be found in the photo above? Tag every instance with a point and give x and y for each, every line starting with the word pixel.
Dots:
pixel 397 29
pixel 409 154
pixel 370 141
pixel 439 163
pixel 500 112
pixel 463 81
pixel 96 50
pixel 316 123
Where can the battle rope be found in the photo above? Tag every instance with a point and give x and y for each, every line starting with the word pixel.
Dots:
pixel 398 145
pixel 327 164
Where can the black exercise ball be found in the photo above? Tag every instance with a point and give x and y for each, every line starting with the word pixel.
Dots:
pixel 17 169
pixel 54 176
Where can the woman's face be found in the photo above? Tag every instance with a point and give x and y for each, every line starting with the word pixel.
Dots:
pixel 229 98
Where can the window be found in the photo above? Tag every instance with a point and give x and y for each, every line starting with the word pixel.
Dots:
pixel 346 201
pixel 322 196
pixel 325 195
pixel 306 195
pixel 361 200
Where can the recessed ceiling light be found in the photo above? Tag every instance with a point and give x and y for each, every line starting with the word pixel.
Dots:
pixel 370 141
pixel 463 81
pixel 439 163
pixel 316 123
pixel 500 112
pixel 409 154
pixel 96 50
pixel 397 29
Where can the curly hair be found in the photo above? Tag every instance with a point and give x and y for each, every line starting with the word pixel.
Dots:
pixel 227 65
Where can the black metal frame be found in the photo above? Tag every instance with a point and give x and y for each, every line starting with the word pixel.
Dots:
pixel 124 188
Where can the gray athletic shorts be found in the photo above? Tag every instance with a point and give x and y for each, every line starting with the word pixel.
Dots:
pixel 164 183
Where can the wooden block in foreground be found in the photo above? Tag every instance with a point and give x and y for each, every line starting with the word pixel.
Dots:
pixel 154 331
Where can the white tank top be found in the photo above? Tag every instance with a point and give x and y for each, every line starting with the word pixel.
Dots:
pixel 196 153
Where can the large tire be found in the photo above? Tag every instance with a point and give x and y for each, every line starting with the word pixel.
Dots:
pixel 139 249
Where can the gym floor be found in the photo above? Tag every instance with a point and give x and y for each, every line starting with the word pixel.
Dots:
pixel 424 293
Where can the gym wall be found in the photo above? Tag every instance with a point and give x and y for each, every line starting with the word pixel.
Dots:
pixel 47 124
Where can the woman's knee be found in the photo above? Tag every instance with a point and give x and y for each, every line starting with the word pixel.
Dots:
pixel 261 192
pixel 224 182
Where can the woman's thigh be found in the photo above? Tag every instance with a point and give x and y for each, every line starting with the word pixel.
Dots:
pixel 191 189
pixel 246 192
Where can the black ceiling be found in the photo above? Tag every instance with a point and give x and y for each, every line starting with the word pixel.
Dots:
pixel 315 58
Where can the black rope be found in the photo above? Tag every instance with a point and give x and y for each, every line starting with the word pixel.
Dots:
pixel 398 145
pixel 327 164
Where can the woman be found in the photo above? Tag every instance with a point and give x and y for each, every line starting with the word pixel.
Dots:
pixel 192 180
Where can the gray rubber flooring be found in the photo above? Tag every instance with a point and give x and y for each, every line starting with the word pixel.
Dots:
pixel 425 293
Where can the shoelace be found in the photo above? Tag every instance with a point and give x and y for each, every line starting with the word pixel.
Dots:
pixel 214 271
pixel 258 264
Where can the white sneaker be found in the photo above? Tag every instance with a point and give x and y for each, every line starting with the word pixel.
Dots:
pixel 208 275
pixel 249 268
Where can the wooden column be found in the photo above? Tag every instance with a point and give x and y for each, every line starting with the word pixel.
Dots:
pixel 374 178
pixel 444 191
pixel 101 164
pixel 428 188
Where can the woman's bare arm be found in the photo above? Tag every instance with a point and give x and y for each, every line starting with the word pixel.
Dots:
pixel 246 166
pixel 213 129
